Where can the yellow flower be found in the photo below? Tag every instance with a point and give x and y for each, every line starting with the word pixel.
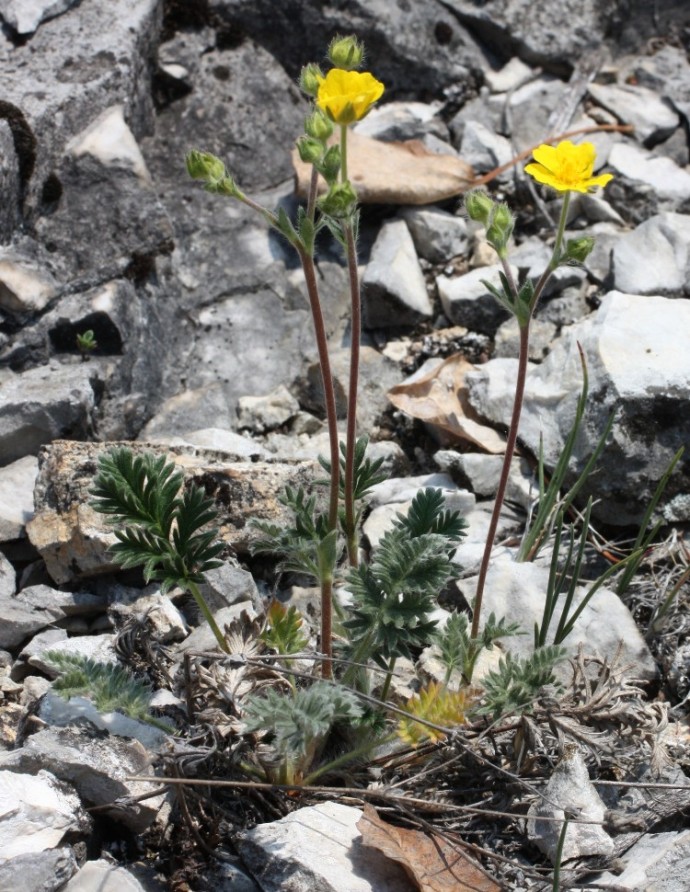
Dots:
pixel 567 167
pixel 347 96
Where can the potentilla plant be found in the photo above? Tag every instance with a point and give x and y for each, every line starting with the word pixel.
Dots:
pixel 339 98
pixel 566 168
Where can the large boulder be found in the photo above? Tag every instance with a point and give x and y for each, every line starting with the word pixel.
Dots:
pixel 639 367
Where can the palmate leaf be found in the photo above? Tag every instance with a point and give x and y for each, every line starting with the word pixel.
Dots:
pixel 139 489
pixel 166 530
pixel 426 514
pixel 412 565
pixel 367 472
pixel 517 682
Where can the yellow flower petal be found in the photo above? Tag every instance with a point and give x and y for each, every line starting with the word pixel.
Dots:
pixel 347 96
pixel 566 167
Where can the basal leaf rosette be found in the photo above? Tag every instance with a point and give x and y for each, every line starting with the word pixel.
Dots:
pixel 346 96
pixel 567 167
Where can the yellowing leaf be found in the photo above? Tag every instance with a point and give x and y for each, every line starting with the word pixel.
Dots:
pixel 437 705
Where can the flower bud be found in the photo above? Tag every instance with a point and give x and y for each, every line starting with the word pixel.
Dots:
pixel 310 150
pixel 578 250
pixel 203 166
pixel 500 228
pixel 329 168
pixel 224 186
pixel 318 126
pixel 346 52
pixel 340 201
pixel 479 206
pixel 309 79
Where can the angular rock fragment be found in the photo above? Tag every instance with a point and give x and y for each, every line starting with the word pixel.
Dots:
pixel 95 767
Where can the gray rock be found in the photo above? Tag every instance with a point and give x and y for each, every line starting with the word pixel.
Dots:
pixel 43 597
pixel 202 638
pixel 264 413
pixel 37 811
pixel 17 496
pixel 437 235
pixel 541 336
pixel 570 789
pixel 105 189
pixel 94 647
pixel 190 410
pixel 599 262
pixel 74 67
pixel 24 287
pixel 9 184
pixel 480 473
pixel 60 713
pixel 73 538
pixel 511 76
pixel 655 257
pixel 531 109
pixel 484 149
pixel 46 871
pixel 240 95
pixel 467 301
pixel 540 34
pixel 96 768
pixel 653 119
pixel 8 579
pixel 19 620
pixel 166 621
pixel 670 182
pixel 229 584
pixel 26 15
pixel 638 366
pixel 216 439
pixel 484 109
pixel 105 877
pixel 393 287
pixel 377 374
pixel 419 43
pixel 398 121
pixel 517 590
pixel 43 404
pixel 658 861
pixel 318 849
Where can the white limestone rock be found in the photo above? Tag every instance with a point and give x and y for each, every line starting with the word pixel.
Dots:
pixel 318 849
pixel 110 141
pixel 517 591
pixel 669 182
pixel 393 287
pixel 570 790
pixel 36 811
pixel 26 15
pixel 467 301
pixel 653 119
pixel 24 287
pixel 655 257
pixel 17 496
pixel 639 365
pixel 437 235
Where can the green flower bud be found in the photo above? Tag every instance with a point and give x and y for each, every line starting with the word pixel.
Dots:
pixel 309 79
pixel 310 150
pixel 479 206
pixel 203 166
pixel 329 168
pixel 224 186
pixel 346 52
pixel 340 201
pixel 500 228
pixel 578 249
pixel 318 126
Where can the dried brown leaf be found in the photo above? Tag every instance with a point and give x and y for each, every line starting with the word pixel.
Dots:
pixel 432 863
pixel 440 398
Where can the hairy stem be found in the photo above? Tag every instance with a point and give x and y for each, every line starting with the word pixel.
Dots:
pixel 331 417
pixel 351 436
pixel 517 411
